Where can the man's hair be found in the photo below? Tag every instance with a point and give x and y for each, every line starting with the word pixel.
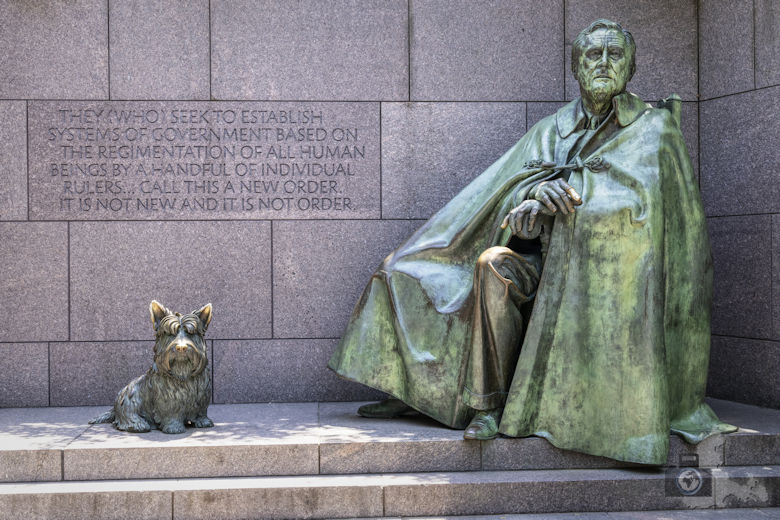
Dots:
pixel 579 42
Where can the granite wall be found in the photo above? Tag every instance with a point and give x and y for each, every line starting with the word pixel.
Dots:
pixel 266 155
pixel 739 87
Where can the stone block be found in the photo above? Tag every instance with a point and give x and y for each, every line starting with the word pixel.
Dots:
pixel 353 444
pixel 93 373
pixel 54 50
pixel 247 440
pixel 320 269
pixel 34 281
pixel 752 449
pixel 776 275
pixel 105 500
pixel 747 486
pixel 13 170
pixel 159 50
pixel 430 151
pixel 295 497
pixel 24 374
pixel 189 160
pixel 725 47
pixel 739 135
pixel 117 268
pixel 745 370
pixel 262 371
pixel 742 277
pixel 665 36
pixel 707 514
pixel 767 16
pixel 536 453
pixel 354 50
pixel 486 51
pixel 31 439
pixel 549 491
pixel 25 465
pixel 399 457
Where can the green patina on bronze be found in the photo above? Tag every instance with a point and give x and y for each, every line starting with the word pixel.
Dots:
pixel 616 350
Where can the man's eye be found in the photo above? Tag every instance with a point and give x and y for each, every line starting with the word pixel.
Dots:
pixel 593 55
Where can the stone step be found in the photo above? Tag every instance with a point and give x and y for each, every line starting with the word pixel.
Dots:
pixel 411 494
pixel 50 444
pixel 767 513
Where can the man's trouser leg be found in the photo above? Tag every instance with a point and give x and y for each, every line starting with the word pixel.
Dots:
pixel 503 281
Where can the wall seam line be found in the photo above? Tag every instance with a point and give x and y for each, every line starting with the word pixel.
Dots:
pixel 67 257
pixel 698 94
pixel 147 340
pixel 563 64
pixel 108 44
pixel 742 92
pixel 48 368
pixel 745 337
pixel 409 48
pixel 340 101
pixel 211 94
pixel 526 117
pixel 698 51
pixel 27 153
pixel 755 62
pixel 380 161
pixel 272 279
pixel 741 215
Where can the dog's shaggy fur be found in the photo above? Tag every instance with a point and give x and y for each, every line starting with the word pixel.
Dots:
pixel 174 392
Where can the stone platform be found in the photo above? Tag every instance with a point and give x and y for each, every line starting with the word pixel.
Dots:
pixel 320 460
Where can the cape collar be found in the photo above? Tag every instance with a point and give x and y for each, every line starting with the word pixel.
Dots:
pixel 628 107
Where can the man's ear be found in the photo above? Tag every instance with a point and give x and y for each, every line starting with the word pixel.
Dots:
pixel 157 312
pixel 205 315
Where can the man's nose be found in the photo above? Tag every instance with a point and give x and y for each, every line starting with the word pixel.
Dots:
pixel 181 347
pixel 604 57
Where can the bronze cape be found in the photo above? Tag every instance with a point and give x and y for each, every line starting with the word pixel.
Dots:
pixel 616 350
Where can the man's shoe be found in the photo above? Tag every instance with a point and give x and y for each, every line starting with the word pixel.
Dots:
pixel 484 425
pixel 386 409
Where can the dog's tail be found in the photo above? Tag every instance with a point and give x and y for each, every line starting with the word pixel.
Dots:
pixel 105 417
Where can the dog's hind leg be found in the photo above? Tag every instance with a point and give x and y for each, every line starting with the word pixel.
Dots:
pixel 202 403
pixel 127 409
pixel 105 417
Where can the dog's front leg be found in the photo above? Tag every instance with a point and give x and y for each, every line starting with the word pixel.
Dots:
pixel 172 425
pixel 201 421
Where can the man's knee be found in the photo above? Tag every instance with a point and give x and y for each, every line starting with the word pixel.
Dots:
pixel 493 256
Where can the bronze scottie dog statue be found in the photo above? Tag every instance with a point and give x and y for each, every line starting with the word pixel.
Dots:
pixel 174 392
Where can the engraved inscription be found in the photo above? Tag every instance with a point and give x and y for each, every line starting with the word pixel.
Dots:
pixel 190 160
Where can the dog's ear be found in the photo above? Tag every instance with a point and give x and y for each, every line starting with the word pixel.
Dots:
pixel 157 312
pixel 204 313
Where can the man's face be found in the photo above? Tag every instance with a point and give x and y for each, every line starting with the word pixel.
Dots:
pixel 603 68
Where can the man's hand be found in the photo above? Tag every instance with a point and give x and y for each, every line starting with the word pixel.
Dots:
pixel 532 208
pixel 558 195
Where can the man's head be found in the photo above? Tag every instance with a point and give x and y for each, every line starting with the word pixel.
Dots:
pixel 603 60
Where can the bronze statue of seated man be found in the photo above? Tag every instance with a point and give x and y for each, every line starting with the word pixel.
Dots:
pixel 565 292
